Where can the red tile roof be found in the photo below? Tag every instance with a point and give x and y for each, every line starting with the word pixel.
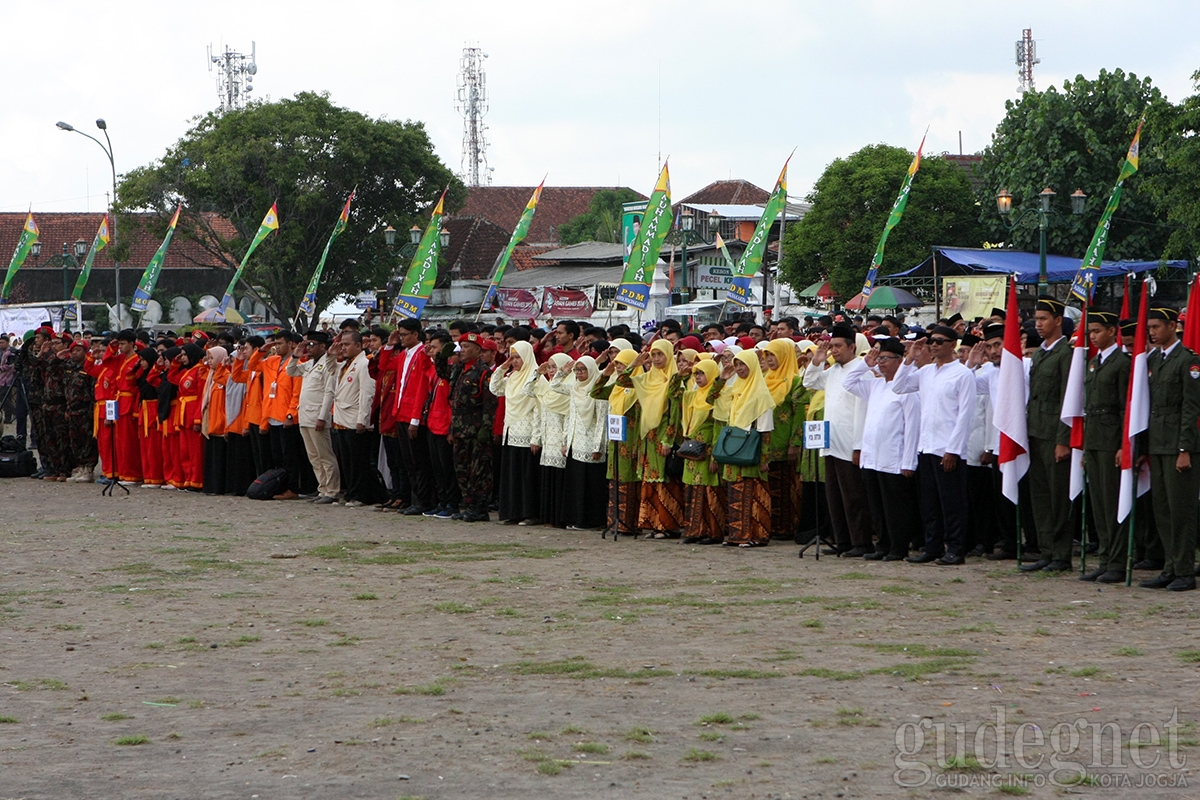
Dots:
pixel 475 244
pixel 729 193
pixel 502 205
pixel 523 257
pixel 54 228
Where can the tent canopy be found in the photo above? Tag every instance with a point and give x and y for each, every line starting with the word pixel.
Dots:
pixel 1059 269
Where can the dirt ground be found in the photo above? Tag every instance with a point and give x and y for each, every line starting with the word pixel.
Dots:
pixel 174 645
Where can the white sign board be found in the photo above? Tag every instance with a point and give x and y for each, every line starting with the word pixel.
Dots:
pixel 616 428
pixel 816 434
pixel 110 410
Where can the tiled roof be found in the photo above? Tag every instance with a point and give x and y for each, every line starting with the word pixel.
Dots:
pixel 729 192
pixel 523 257
pixel 54 228
pixel 475 243
pixel 502 205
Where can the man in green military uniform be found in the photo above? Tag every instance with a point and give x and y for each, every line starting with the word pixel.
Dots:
pixel 1106 385
pixel 1050 440
pixel 1174 378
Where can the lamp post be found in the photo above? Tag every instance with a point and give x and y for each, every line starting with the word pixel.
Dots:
pixel 108 151
pixel 403 254
pixel 685 235
pixel 69 260
pixel 1044 211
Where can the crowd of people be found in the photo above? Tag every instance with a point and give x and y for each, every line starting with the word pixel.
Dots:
pixel 460 422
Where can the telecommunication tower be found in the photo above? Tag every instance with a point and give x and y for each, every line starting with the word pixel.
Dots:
pixel 1026 59
pixel 235 76
pixel 472 103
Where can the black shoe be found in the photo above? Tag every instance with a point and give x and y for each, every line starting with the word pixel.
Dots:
pixel 875 556
pixel 691 539
pixel 1182 584
pixel 414 511
pixel 507 521
pixel 1057 566
pixel 1112 576
pixel 1000 555
pixel 976 551
pixel 855 552
pixel 1196 571
pixel 831 551
pixel 1035 566
pixel 1163 580
pixel 1146 563
pixel 1093 547
pixel 1094 575
pixel 892 557
pixel 950 561
pixel 924 558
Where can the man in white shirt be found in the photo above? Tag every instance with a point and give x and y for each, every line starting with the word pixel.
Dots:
pixel 844 487
pixel 318 376
pixel 888 459
pixel 947 390
pixel 352 398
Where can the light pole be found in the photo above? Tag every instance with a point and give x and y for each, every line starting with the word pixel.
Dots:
pixel 403 254
pixel 112 222
pixel 1043 211
pixel 81 248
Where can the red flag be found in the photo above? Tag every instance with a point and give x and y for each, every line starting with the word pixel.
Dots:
pixel 1011 398
pixel 1124 310
pixel 1072 407
pixel 1137 409
pixel 1191 326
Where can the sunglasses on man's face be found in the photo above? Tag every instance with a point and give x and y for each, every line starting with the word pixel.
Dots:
pixel 938 341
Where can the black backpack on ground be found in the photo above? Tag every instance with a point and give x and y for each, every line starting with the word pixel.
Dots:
pixel 17 465
pixel 267 485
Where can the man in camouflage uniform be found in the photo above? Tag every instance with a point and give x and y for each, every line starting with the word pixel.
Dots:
pixel 472 408
pixel 80 394
pixel 29 369
pixel 53 442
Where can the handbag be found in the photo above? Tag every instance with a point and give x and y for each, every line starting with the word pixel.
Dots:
pixel 674 466
pixel 692 450
pixel 737 447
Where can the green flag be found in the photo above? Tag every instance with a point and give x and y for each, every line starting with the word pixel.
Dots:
pixel 141 297
pixel 308 306
pixel 29 235
pixel 656 223
pixel 518 235
pixel 270 223
pixel 892 221
pixel 752 258
pixel 422 273
pixel 97 245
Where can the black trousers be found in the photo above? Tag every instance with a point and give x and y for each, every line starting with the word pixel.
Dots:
pixel 401 490
pixel 892 500
pixel 239 464
pixel 360 479
pixel 943 506
pixel 848 514
pixel 441 461
pixel 215 456
pixel 287 451
pixel 414 456
pixel 260 451
pixel 982 530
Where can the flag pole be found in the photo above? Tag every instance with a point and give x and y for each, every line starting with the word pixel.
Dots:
pixel 1083 491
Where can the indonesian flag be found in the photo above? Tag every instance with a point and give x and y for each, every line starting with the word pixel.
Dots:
pixel 1124 311
pixel 1072 407
pixel 1137 410
pixel 1010 402
pixel 1191 326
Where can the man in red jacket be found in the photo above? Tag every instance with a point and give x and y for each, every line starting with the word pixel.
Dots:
pixel 414 373
pixel 441 451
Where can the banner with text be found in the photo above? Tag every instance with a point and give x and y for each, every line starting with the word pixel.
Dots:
pixel 973 297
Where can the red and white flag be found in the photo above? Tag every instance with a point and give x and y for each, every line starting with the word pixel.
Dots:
pixel 1010 402
pixel 1191 325
pixel 1137 410
pixel 1072 407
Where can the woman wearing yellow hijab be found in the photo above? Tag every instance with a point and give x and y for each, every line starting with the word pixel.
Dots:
pixel 751 407
pixel 657 385
pixel 520 482
pixel 787 440
pixel 623 457
pixel 704 500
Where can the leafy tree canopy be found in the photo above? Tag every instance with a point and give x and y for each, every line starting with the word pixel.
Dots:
pixel 1077 138
pixel 307 154
pixel 851 202
pixel 1176 184
pixel 601 222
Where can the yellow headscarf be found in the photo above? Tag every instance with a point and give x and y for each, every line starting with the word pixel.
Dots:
pixel 690 355
pixel 752 398
pixel 696 408
pixel 517 404
pixel 705 356
pixel 621 400
pixel 545 390
pixel 780 379
pixel 651 387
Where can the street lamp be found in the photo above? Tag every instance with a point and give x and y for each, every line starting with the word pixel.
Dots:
pixel 403 254
pixel 68 260
pixel 112 222
pixel 684 235
pixel 1044 211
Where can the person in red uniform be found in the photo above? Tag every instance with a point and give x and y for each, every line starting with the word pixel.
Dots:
pixel 189 374
pixel 150 438
pixel 382 367
pixel 414 373
pixel 125 432
pixel 102 369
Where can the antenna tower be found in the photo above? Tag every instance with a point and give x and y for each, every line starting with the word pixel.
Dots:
pixel 1026 59
pixel 235 76
pixel 472 104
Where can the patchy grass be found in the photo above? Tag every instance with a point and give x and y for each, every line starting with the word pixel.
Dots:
pixel 129 741
pixel 635 755
pixel 915 670
pixel 435 689
pixel 592 748
pixel 409 552
pixel 243 640
pixel 1189 656
pixel 540 736
pixel 7 720
pixel 116 716
pixel 694 756
pixel 366 596
pixel 967 763
pixel 922 651
pixel 578 667
pixel 711 736
pixel 814 623
pixel 639 735
pixel 455 607
pixel 832 674
pixel 719 718
pixel 1128 651
pixel 311 623
pixel 1085 672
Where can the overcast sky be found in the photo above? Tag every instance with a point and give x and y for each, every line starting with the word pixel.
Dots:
pixel 577 89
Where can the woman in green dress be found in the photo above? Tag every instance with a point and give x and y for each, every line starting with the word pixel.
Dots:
pixel 704 503
pixel 751 407
pixel 655 379
pixel 624 458
pixel 787 440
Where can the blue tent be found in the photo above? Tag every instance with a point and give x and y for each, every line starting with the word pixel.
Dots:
pixel 1059 269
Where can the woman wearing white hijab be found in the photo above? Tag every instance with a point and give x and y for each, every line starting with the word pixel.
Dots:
pixel 553 393
pixel 212 419
pixel 519 480
pixel 585 492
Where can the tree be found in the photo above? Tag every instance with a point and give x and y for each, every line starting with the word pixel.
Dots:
pixel 1077 139
pixel 308 155
pixel 602 221
pixel 1176 185
pixel 850 204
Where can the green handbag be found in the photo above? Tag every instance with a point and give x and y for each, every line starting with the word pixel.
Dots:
pixel 737 447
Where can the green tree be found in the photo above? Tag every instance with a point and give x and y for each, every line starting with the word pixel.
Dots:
pixel 850 204
pixel 602 221
pixel 1072 139
pixel 1176 185
pixel 307 154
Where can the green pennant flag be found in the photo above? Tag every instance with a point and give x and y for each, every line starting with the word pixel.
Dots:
pixel 1085 278
pixel 752 257
pixel 29 235
pixel 643 259
pixel 270 223
pixel 518 235
pixel 422 273
pixel 308 306
pixel 892 221
pixel 141 296
pixel 97 245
